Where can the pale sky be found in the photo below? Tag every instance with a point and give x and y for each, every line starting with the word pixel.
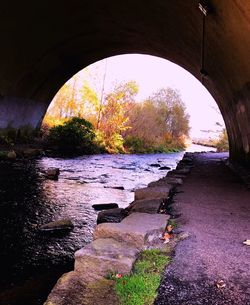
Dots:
pixel 152 73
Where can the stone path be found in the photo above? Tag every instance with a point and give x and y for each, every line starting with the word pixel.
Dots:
pixel 212 266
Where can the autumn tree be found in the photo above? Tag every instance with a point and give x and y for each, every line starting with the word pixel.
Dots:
pixel 159 121
pixel 114 114
pixel 75 98
pixel 171 109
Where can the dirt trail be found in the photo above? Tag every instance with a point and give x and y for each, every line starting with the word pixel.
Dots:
pixel 215 209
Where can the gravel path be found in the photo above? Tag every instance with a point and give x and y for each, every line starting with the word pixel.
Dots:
pixel 215 209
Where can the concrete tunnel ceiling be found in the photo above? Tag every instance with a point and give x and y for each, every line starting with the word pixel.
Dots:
pixel 44 43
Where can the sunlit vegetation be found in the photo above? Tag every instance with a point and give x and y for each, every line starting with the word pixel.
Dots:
pixel 140 287
pixel 119 122
pixel 222 143
pixel 75 136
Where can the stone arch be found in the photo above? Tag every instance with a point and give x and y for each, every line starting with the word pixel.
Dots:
pixel 44 44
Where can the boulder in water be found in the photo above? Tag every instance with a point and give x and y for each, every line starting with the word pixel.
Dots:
pixel 155 165
pixel 164 168
pixel 11 155
pixel 115 187
pixel 52 173
pixel 105 206
pixel 62 224
pixel 112 215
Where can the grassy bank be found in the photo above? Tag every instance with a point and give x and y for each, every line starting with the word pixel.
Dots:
pixel 140 287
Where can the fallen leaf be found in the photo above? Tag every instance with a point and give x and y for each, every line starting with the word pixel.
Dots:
pixel 166 236
pixel 166 241
pixel 246 242
pixel 169 228
pixel 220 284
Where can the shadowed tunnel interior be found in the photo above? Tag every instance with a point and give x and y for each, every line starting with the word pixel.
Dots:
pixel 45 43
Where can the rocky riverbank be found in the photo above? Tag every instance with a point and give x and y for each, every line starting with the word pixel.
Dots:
pixel 116 246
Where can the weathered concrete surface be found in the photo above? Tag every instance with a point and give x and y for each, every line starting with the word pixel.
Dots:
pixel 215 210
pixel 153 192
pixel 103 257
pixel 36 60
pixel 136 230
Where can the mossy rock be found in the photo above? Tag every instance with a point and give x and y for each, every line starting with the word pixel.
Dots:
pixel 101 292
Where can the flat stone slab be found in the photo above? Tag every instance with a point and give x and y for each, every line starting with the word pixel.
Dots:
pixel 104 256
pixel 137 230
pixel 151 206
pixel 153 192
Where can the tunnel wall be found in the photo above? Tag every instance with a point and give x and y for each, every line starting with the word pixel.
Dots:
pixel 45 43
pixel 18 112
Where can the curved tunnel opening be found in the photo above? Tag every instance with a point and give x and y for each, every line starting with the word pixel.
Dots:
pixel 58 44
pixel 84 94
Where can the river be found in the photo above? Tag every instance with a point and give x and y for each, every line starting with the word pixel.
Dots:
pixel 32 261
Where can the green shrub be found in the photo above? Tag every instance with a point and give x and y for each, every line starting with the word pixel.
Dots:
pixel 75 136
pixel 134 144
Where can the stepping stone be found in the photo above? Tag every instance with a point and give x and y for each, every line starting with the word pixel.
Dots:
pixel 137 230
pixel 103 257
pixel 161 183
pixel 145 206
pixel 173 175
pixel 173 180
pixel 153 192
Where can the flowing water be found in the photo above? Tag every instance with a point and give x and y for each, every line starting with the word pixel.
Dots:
pixel 30 260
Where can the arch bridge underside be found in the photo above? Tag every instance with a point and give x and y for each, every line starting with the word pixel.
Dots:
pixel 45 42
